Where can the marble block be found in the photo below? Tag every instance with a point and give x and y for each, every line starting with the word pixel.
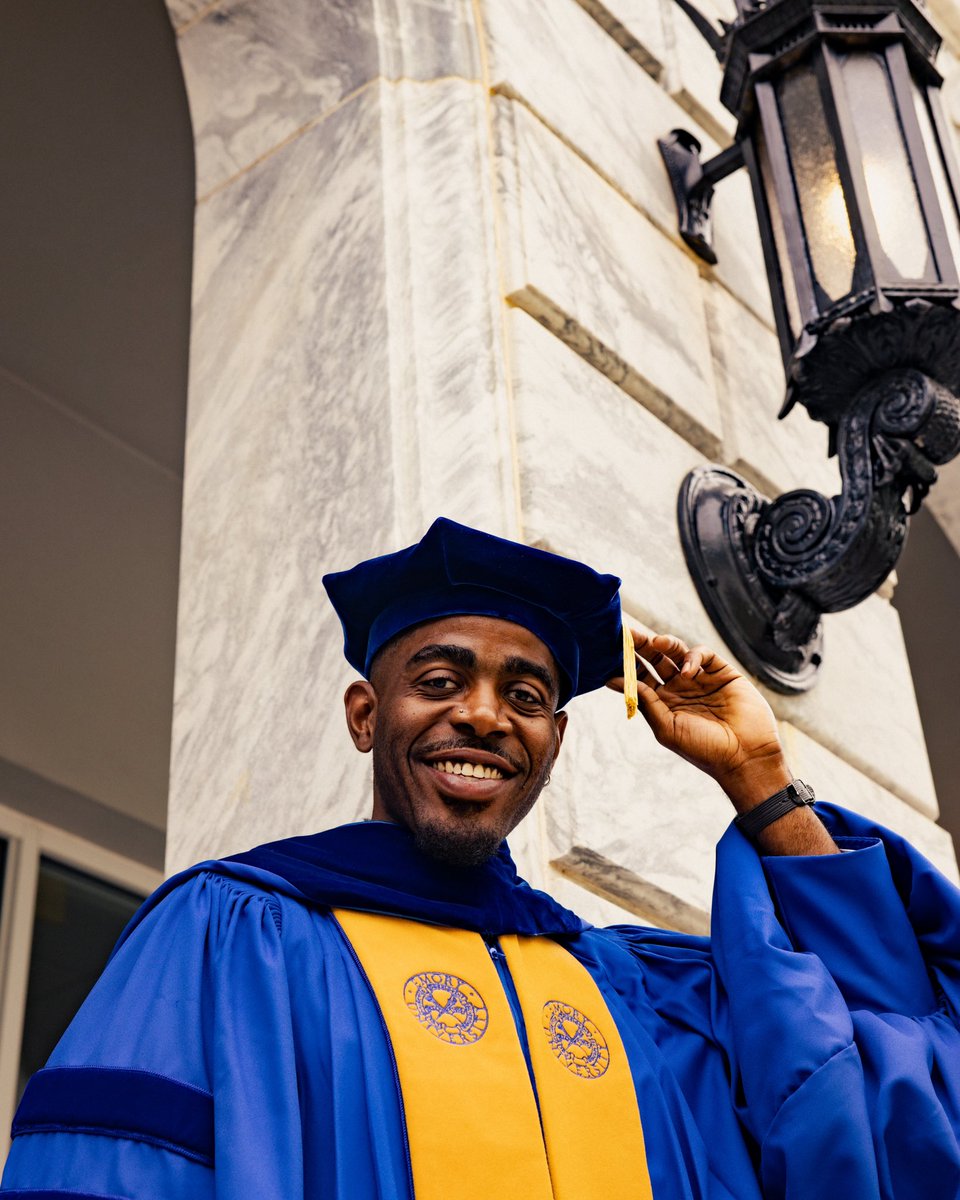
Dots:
pixel 639 34
pixel 616 792
pixel 836 780
pixel 345 389
pixel 568 70
pixel 689 70
pixel 652 821
pixel 944 15
pixel 599 476
pixel 582 260
pixel 258 71
pixel 863 707
pixel 450 404
pixel 948 64
pixel 572 73
pixel 593 906
pixel 287 472
pixel 182 12
pixel 427 39
pixel 601 485
pixel 532 852
pixel 774 455
pixel 736 241
pixel 693 74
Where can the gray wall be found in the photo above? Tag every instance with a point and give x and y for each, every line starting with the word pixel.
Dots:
pixel 96 206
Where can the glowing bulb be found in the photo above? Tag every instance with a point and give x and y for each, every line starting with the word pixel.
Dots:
pixel 829 236
pixel 835 219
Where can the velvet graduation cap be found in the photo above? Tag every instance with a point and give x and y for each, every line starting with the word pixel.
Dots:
pixel 455 570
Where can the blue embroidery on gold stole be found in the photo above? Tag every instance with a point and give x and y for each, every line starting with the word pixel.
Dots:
pixel 447 1006
pixel 575 1040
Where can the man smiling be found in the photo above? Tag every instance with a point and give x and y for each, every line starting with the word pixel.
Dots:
pixel 468 731
pixel 386 1010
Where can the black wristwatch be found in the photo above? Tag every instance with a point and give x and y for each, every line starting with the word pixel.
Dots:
pixel 794 795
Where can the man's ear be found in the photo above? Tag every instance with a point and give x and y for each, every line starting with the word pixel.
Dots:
pixel 561 723
pixel 360 706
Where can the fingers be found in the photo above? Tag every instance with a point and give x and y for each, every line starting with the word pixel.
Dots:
pixel 662 657
pixel 664 653
pixel 668 656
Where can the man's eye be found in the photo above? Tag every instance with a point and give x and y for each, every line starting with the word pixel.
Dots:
pixel 439 683
pixel 526 697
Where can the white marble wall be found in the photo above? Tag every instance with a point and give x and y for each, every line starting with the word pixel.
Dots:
pixel 346 383
pixel 438 272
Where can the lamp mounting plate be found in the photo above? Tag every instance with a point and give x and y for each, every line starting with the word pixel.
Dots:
pixel 718 512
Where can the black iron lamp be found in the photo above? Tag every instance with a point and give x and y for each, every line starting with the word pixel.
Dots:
pixel 856 190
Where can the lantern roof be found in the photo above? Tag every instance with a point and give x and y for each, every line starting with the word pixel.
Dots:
pixel 765 40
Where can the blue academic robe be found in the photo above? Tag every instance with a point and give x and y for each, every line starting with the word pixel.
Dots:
pixel 232 1049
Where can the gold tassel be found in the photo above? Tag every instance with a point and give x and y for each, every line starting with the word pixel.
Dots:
pixel 629 672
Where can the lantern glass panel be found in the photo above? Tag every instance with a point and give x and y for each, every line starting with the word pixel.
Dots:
pixel 779 234
pixel 814 164
pixel 948 207
pixel 891 189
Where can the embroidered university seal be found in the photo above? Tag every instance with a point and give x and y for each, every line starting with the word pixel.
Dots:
pixel 447 1006
pixel 575 1040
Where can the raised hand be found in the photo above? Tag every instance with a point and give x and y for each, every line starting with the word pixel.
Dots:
pixel 704 710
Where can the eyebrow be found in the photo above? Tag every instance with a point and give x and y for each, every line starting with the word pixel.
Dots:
pixel 463 657
pixel 450 652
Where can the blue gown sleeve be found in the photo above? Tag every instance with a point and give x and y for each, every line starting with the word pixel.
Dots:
pixel 840 974
pixel 196 995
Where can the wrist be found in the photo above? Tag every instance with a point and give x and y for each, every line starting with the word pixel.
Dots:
pixel 754 780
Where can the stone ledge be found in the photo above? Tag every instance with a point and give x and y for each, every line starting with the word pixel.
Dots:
pixel 573 250
pixel 688 68
pixel 644 42
pixel 629 891
pixel 578 81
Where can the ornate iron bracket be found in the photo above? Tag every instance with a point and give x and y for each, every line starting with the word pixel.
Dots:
pixel 693 182
pixel 766 570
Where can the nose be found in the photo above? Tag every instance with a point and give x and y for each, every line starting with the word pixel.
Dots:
pixel 482 711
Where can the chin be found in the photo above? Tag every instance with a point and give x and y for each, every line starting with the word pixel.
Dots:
pixel 464 845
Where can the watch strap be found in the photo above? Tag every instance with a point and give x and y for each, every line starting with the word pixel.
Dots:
pixel 796 794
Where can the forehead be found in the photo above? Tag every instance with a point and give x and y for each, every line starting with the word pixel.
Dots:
pixel 493 640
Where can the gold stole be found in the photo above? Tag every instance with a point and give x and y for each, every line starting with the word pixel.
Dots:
pixel 472 1120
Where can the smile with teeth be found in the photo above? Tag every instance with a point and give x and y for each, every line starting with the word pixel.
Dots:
pixel 474 770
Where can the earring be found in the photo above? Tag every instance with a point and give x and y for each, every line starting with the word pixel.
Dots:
pixel 546 782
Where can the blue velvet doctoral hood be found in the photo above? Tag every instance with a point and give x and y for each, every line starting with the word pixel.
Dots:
pixel 375 866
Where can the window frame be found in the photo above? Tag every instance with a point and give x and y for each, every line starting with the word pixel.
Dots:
pixel 27 841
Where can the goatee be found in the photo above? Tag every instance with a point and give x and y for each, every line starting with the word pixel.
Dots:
pixel 457 848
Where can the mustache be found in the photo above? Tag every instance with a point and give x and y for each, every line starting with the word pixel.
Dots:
pixel 475 743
